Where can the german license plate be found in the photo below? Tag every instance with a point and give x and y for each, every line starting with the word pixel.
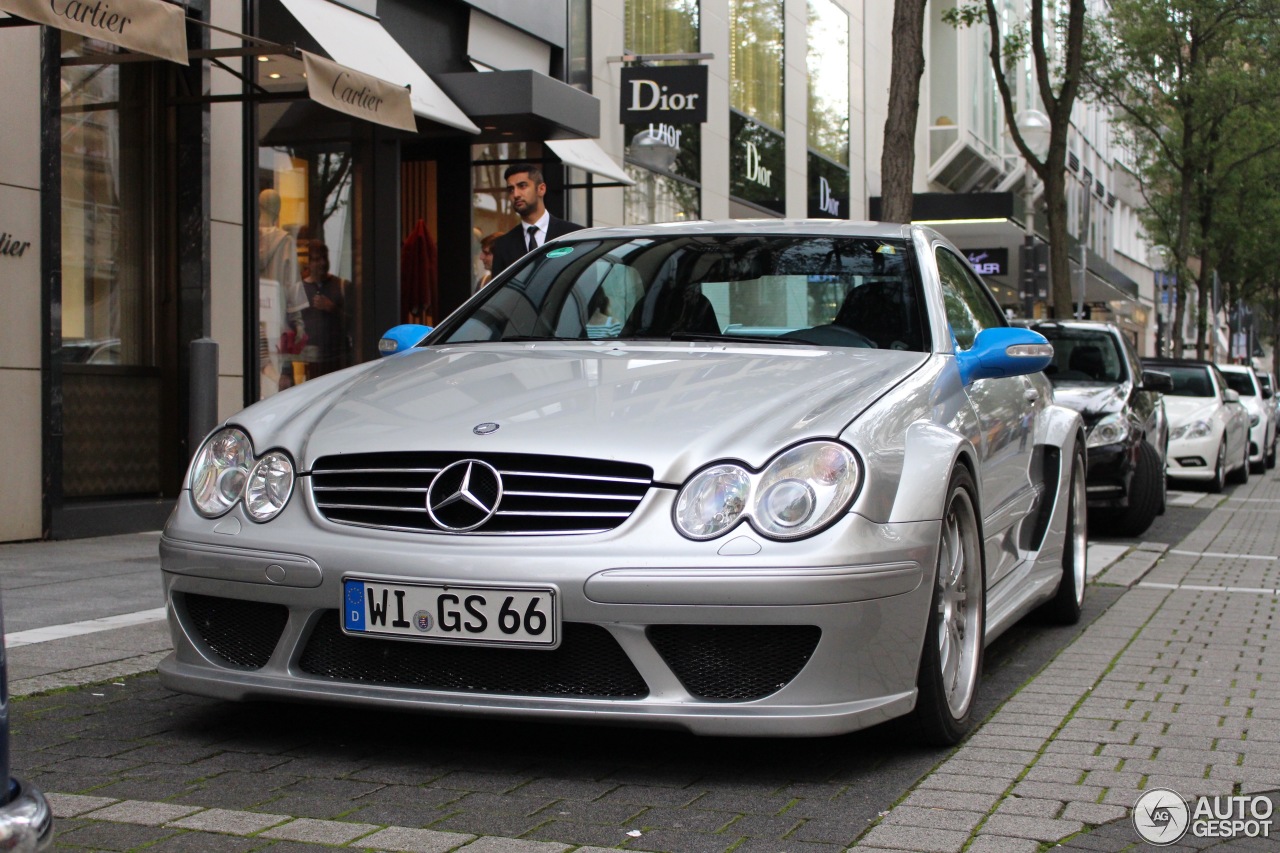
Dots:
pixel 490 615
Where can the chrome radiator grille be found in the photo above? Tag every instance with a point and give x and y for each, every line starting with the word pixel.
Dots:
pixel 537 495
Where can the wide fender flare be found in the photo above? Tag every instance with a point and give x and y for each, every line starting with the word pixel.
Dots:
pixel 1061 427
pixel 930 454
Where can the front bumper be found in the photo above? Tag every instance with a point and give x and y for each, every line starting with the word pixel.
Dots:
pixel 622 592
pixel 1111 468
pixel 1193 458
pixel 26 823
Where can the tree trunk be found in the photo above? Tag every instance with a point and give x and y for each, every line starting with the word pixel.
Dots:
pixel 1055 191
pixel 898 160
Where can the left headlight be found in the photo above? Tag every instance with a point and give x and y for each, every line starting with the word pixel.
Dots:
pixel 1112 429
pixel 797 494
pixel 225 472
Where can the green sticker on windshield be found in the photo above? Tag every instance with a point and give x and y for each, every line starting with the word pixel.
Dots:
pixel 887 250
pixel 561 252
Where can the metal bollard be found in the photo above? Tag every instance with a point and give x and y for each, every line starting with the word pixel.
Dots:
pixel 203 398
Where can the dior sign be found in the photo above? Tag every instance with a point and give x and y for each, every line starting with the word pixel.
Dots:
pixel 668 94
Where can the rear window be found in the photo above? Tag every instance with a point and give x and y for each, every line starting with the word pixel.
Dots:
pixel 1241 383
pixel 1188 380
pixel 1083 355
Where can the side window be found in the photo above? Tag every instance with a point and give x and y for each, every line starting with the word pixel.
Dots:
pixel 970 308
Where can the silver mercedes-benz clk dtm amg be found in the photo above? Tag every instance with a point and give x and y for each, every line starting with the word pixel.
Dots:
pixel 741 478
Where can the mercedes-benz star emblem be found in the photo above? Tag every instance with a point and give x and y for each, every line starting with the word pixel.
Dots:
pixel 485 428
pixel 464 495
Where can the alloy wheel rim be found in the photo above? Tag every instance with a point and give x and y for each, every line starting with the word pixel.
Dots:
pixel 1220 473
pixel 1079 531
pixel 959 599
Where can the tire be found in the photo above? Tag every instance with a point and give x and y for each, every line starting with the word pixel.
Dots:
pixel 1065 606
pixel 1219 481
pixel 951 659
pixel 1164 482
pixel 1240 476
pixel 1146 496
pixel 1269 461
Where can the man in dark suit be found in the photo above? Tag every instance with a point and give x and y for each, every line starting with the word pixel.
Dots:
pixel 537 225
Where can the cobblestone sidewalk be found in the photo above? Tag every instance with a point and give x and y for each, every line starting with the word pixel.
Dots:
pixel 1177 686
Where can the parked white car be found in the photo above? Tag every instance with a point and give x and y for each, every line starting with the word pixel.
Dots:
pixel 1208 425
pixel 1262 414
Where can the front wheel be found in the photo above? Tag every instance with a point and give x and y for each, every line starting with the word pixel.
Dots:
pixel 1219 481
pixel 951 661
pixel 1240 476
pixel 1146 496
pixel 1065 606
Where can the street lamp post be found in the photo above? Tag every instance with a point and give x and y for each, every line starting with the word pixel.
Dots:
pixel 1033 125
pixel 1158 260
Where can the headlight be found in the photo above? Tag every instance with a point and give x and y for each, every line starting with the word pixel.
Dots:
pixel 1195 429
pixel 224 472
pixel 796 494
pixel 1112 429
pixel 713 501
pixel 219 473
pixel 269 486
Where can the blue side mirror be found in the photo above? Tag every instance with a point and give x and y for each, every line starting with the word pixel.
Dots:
pixel 1004 351
pixel 400 338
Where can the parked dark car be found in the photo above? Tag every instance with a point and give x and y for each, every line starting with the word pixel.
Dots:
pixel 26 823
pixel 1096 371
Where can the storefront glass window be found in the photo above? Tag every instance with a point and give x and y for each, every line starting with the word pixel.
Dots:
pixel 755 59
pixel 107 184
pixel 312 297
pixel 662 26
pixel 665 160
pixel 828 62
pixel 659 198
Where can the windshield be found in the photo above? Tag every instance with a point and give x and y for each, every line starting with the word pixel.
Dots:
pixel 1241 383
pixel 830 291
pixel 1188 380
pixel 1083 355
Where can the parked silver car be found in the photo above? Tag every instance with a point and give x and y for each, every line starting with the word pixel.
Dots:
pixel 742 478
pixel 26 821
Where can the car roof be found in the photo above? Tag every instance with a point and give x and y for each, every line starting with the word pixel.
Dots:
pixel 1236 368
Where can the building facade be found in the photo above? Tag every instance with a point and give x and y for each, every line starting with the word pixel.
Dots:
pixel 155 210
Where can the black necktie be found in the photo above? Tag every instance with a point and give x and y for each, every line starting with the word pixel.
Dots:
pixel 533 237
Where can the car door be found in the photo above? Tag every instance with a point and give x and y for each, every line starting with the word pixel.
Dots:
pixel 1006 411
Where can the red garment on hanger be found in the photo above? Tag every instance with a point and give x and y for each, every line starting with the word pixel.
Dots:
pixel 419 290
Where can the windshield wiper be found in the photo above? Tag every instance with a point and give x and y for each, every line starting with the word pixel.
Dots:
pixel 737 339
pixel 533 338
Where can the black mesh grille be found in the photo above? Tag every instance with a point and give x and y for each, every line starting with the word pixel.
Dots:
pixel 242 633
pixel 540 494
pixel 588 662
pixel 735 663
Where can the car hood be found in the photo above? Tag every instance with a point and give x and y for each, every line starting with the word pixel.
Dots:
pixel 673 407
pixel 1181 410
pixel 1091 401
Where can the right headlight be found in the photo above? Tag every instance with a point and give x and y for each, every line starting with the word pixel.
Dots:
pixel 225 472
pixel 1112 429
pixel 219 472
pixel 1195 429
pixel 797 494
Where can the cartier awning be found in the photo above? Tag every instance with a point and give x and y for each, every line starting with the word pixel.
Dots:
pixel 145 26
pixel 360 43
pixel 356 94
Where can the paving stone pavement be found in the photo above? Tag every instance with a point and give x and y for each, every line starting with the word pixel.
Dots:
pixel 1176 685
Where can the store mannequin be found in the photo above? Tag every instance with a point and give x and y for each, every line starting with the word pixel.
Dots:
pixel 280 294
